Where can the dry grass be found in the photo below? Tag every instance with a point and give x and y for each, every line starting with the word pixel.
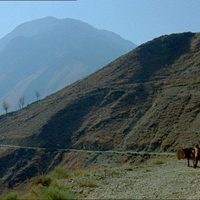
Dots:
pixel 87 182
pixel 11 196
pixel 59 173
pixel 43 180
pixel 159 162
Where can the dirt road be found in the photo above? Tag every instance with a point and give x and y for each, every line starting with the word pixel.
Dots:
pixel 161 179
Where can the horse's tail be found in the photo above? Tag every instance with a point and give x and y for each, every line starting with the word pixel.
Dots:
pixel 180 154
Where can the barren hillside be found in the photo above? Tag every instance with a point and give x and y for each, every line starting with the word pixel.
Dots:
pixel 146 100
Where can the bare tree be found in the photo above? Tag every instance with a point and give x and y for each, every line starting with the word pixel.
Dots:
pixel 5 106
pixel 21 102
pixel 37 95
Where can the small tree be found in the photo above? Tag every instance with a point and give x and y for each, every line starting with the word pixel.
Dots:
pixel 5 106
pixel 21 102
pixel 37 95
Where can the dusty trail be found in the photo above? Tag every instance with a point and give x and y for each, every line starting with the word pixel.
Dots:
pixel 170 179
pixel 89 151
pixel 160 177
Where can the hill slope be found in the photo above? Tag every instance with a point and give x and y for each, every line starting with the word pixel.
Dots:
pixel 47 54
pixel 147 99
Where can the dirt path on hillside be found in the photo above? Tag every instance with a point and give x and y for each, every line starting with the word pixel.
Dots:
pixel 161 179
pixel 7 146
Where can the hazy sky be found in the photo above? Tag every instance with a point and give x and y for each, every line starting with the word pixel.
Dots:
pixel 136 20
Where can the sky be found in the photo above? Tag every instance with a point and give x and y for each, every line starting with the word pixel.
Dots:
pixel 135 20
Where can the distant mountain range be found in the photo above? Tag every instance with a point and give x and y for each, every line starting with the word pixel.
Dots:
pixel 44 55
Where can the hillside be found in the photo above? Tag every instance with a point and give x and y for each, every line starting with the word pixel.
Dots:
pixel 47 54
pixel 147 100
pixel 148 96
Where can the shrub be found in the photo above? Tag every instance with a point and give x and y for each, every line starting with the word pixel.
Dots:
pixel 55 193
pixel 59 173
pixel 11 196
pixel 59 185
pixel 43 180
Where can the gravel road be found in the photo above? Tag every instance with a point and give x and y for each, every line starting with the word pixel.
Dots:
pixel 155 179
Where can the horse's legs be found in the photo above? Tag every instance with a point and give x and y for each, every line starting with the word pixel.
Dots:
pixel 195 162
pixel 188 162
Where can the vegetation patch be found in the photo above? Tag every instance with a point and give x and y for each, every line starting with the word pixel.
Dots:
pixel 113 173
pixel 43 180
pixel 11 196
pixel 87 182
pixel 159 162
pixel 55 193
pixel 59 173
pixel 45 188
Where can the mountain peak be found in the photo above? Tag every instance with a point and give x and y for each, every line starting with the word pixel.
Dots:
pixel 54 52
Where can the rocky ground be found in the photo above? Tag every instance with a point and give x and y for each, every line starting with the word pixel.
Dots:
pixel 156 178
pixel 159 177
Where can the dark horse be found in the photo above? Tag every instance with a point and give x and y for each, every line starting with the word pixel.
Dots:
pixel 189 154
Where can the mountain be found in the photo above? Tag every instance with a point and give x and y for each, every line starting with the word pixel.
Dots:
pixel 146 100
pixel 44 55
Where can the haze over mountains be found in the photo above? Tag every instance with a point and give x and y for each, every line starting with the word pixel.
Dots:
pixel 47 54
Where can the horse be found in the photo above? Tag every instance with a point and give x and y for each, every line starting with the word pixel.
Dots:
pixel 187 153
